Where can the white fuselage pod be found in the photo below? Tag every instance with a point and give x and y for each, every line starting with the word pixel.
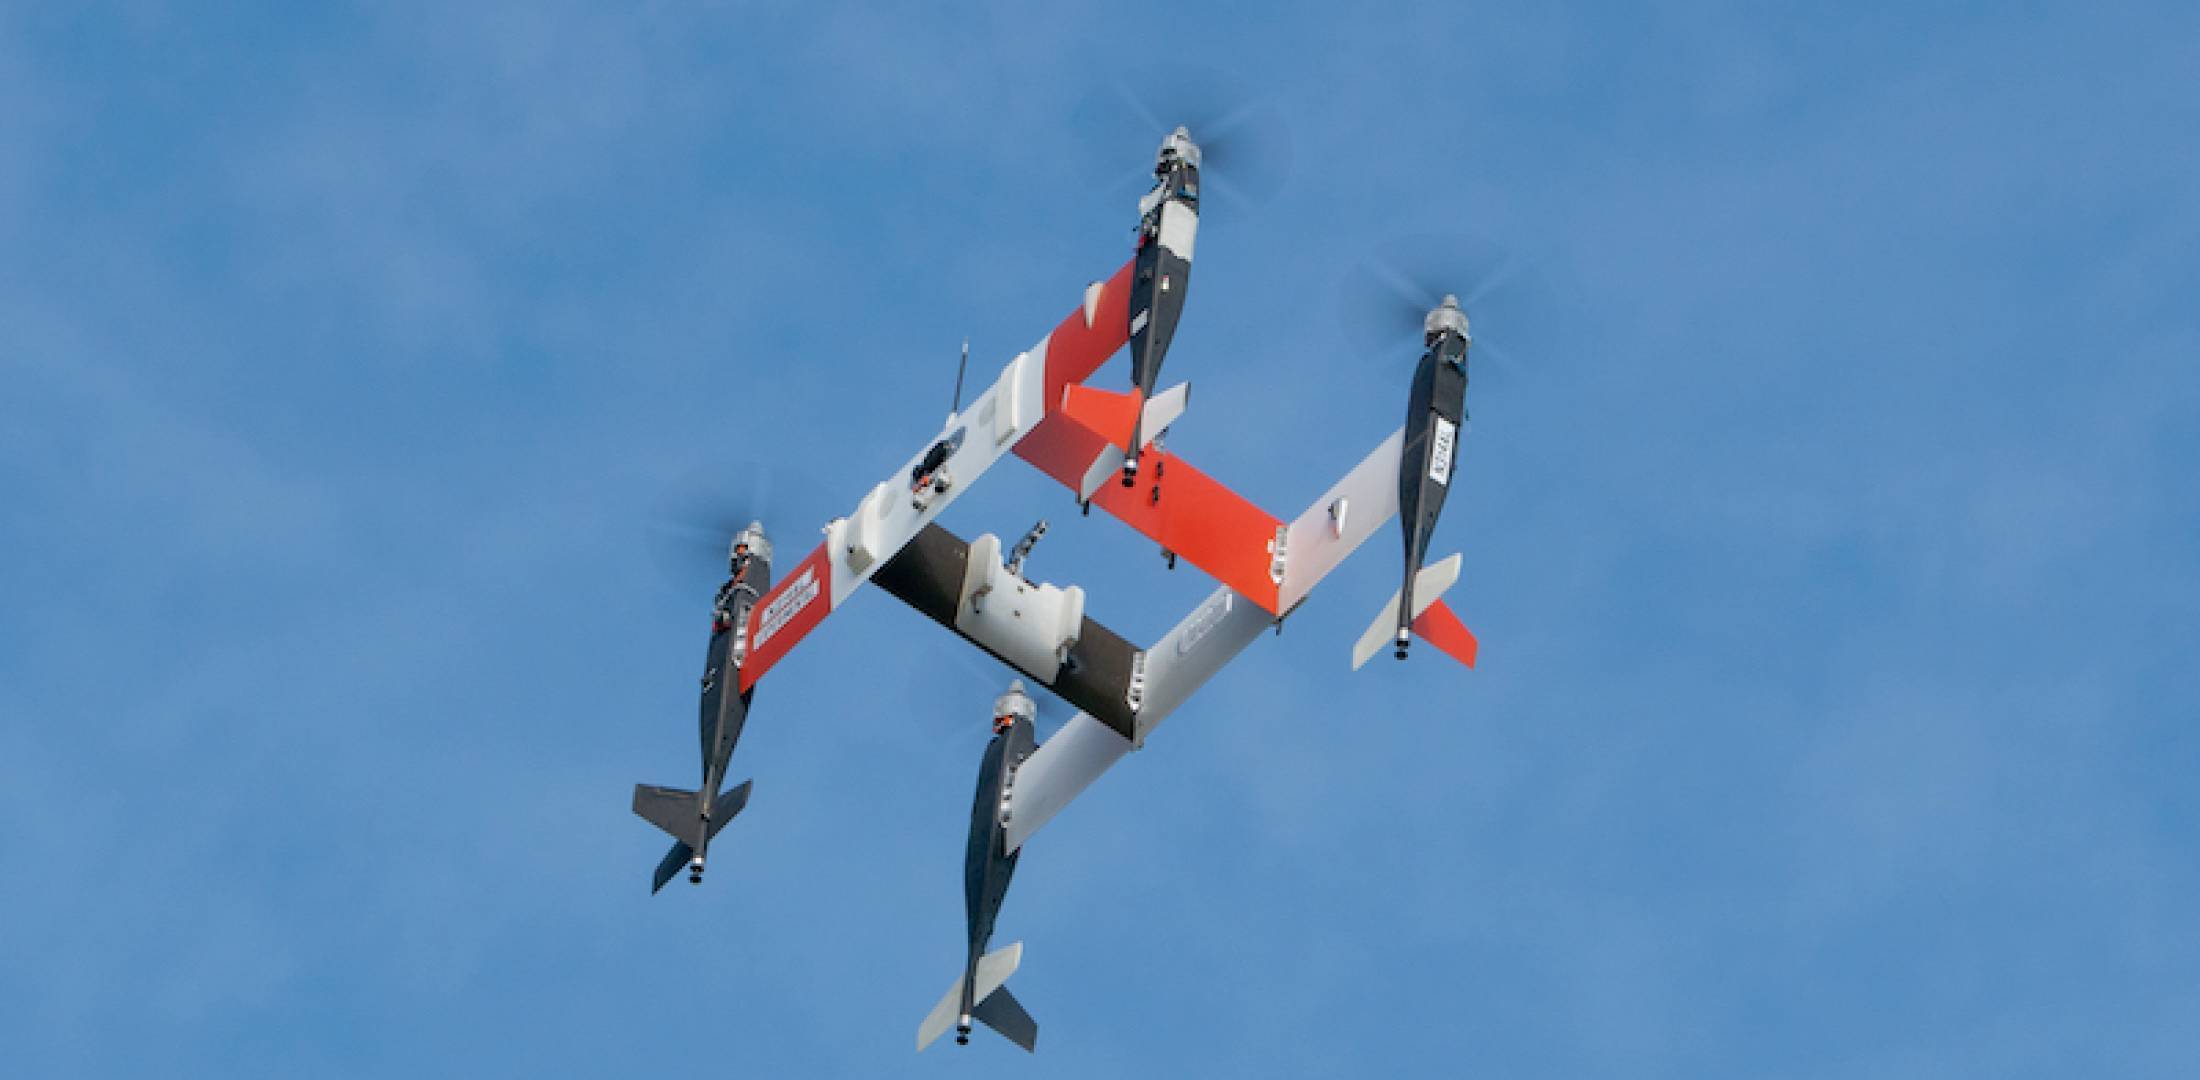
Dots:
pixel 1032 626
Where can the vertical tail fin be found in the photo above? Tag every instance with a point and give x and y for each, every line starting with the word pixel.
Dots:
pixel 1003 1013
pixel 673 862
pixel 1008 1019
pixel 1428 585
pixel 1120 419
pixel 1440 627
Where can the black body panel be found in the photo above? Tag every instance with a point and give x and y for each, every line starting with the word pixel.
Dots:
pixel 1159 283
pixel 723 713
pixel 928 574
pixel 1157 288
pixel 987 867
pixel 693 817
pixel 1426 462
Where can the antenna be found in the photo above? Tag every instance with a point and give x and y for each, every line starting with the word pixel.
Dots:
pixel 1023 548
pixel 959 378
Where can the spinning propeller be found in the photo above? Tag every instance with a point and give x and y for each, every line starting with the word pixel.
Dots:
pixel 689 533
pixel 971 678
pixel 1244 142
pixel 1387 300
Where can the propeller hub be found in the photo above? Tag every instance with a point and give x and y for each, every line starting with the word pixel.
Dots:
pixel 751 541
pixel 1014 705
pixel 1178 147
pixel 1445 317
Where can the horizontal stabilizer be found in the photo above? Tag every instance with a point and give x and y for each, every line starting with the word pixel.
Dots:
pixel 1109 416
pixel 994 968
pixel 680 813
pixel 1162 409
pixel 1106 466
pixel 1003 1013
pixel 1428 585
pixel 1440 627
pixel 674 810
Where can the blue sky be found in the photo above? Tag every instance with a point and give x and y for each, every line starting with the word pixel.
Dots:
pixel 1828 520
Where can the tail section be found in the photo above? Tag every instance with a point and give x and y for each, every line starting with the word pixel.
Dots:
pixel 670 866
pixel 1120 418
pixel 1428 585
pixel 1003 1013
pixel 996 1008
pixel 681 814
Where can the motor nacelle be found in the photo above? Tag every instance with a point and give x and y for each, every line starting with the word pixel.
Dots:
pixel 1445 317
pixel 1177 148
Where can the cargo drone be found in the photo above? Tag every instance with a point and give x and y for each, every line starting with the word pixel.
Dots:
pixel 1039 408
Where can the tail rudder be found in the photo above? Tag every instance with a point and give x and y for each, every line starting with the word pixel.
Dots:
pixel 1440 626
pixel 1008 1018
pixel 1428 585
pixel 674 861
pixel 1004 1014
pixel 1124 420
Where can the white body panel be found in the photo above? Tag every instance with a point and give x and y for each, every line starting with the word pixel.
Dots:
pixel 1428 585
pixel 1319 541
pixel 1161 410
pixel 1156 415
pixel 994 968
pixel 1208 638
pixel 1446 446
pixel 885 521
pixel 1194 650
pixel 1030 626
pixel 1106 466
pixel 1179 228
pixel 1059 770
pixel 1185 658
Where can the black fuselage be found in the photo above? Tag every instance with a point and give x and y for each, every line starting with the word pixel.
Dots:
pixel 1434 412
pixel 725 708
pixel 987 864
pixel 1158 285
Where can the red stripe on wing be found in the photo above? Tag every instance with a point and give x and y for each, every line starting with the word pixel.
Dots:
pixel 784 615
pixel 1201 520
pixel 1076 349
pixel 1196 516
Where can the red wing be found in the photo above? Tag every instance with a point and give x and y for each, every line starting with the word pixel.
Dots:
pixel 781 617
pixel 1085 339
pixel 1174 505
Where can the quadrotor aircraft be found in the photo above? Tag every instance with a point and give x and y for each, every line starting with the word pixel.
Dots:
pixel 1039 409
